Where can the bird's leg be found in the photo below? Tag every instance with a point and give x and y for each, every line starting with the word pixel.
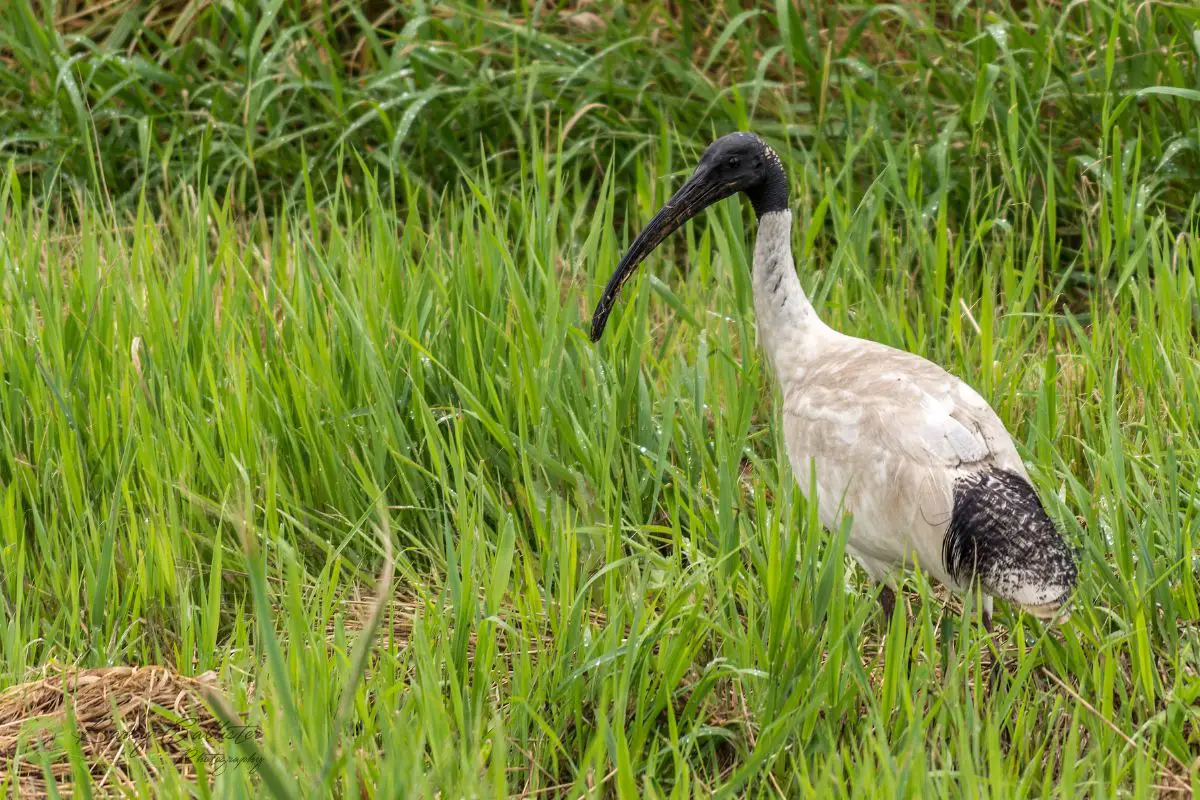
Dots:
pixel 993 661
pixel 887 600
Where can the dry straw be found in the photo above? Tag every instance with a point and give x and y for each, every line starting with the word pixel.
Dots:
pixel 147 715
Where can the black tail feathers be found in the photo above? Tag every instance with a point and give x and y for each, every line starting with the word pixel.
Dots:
pixel 1001 536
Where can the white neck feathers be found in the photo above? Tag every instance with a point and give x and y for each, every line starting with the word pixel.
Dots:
pixel 786 319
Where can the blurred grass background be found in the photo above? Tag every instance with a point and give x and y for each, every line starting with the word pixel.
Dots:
pixel 238 97
pixel 279 275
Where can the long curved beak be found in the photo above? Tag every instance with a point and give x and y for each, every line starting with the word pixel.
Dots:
pixel 698 193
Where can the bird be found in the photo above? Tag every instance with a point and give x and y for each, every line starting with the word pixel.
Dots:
pixel 915 460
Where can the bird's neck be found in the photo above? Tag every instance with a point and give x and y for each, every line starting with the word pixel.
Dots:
pixel 787 323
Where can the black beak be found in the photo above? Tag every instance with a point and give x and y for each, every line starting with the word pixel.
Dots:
pixel 698 193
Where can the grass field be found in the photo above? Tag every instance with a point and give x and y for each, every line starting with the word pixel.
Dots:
pixel 292 309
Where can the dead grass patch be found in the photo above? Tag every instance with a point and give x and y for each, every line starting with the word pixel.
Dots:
pixel 129 720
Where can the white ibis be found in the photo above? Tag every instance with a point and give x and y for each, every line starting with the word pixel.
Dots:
pixel 918 461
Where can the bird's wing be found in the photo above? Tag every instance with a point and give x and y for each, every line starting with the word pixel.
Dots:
pixel 897 404
pixel 887 435
pixel 973 412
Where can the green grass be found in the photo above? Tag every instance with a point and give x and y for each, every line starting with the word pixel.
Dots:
pixel 239 368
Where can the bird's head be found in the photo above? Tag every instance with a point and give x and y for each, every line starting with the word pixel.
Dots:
pixel 739 162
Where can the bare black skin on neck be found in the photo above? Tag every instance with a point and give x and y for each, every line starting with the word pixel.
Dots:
pixel 739 162
pixel 771 193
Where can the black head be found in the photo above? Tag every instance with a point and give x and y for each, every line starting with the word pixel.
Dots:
pixel 742 162
pixel 739 162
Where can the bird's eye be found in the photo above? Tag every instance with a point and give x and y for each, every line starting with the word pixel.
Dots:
pixel 734 162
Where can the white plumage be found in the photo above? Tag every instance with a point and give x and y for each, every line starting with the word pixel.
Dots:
pixel 918 460
pixel 887 434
